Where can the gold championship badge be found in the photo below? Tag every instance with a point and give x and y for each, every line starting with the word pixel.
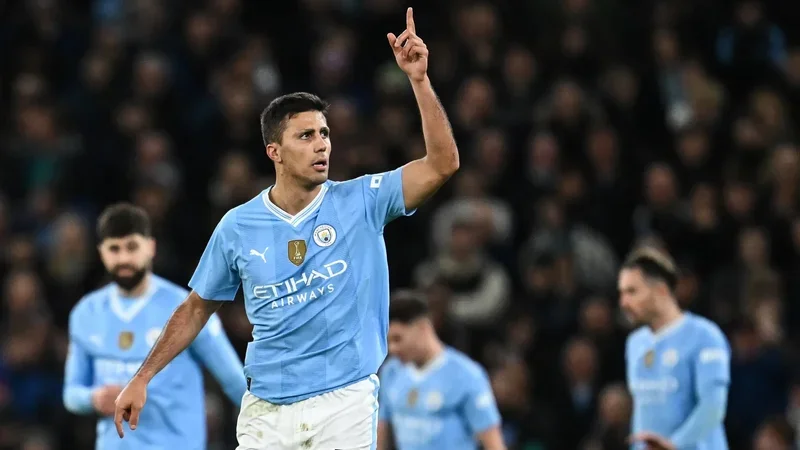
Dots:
pixel 297 251
pixel 125 340
pixel 649 357
pixel 413 396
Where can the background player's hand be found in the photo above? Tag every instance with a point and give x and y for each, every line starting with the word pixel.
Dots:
pixel 129 404
pixel 103 399
pixel 410 52
pixel 652 441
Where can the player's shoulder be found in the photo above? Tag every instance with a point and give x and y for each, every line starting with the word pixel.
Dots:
pixel 460 363
pixel 168 290
pixel 253 207
pixel 370 180
pixel 703 329
pixel 90 304
pixel 637 336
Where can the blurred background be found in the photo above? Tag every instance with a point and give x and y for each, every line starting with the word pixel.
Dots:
pixel 585 127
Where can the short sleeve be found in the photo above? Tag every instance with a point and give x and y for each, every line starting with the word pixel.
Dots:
pixel 713 362
pixel 216 276
pixel 479 407
pixel 383 196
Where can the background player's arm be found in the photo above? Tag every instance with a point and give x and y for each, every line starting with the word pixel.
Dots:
pixel 481 414
pixel 215 351
pixel 384 435
pixel 492 439
pixel 711 369
pixel 78 388
pixel 181 329
pixel 423 177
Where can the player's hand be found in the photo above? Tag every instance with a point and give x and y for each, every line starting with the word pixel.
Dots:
pixel 652 441
pixel 410 52
pixel 129 404
pixel 103 399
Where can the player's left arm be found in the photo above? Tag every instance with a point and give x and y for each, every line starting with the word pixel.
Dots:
pixel 215 351
pixel 481 413
pixel 423 177
pixel 711 369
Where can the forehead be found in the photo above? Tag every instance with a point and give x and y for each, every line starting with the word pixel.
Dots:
pixel 630 277
pixel 124 241
pixel 306 120
pixel 396 327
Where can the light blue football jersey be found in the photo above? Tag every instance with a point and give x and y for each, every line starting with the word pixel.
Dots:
pixel 110 336
pixel 444 405
pixel 667 372
pixel 316 285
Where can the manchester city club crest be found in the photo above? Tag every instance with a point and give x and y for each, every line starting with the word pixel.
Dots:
pixel 125 340
pixel 324 235
pixel 649 357
pixel 297 251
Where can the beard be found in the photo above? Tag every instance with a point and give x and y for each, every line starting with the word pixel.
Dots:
pixel 128 282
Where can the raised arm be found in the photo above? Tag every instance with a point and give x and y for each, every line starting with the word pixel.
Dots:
pixel 423 177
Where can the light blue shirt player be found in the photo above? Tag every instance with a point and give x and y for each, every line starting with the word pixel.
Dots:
pixel 316 285
pixel 444 405
pixel 679 380
pixel 110 335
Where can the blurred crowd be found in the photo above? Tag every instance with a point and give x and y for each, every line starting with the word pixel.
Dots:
pixel 585 127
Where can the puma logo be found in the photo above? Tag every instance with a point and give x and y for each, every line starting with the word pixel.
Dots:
pixel 261 254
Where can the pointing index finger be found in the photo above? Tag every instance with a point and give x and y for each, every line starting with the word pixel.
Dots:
pixel 118 421
pixel 410 20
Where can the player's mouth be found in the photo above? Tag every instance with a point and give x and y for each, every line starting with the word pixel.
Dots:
pixel 321 165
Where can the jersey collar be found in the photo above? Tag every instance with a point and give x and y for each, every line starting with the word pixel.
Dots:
pixel 305 213
pixel 126 313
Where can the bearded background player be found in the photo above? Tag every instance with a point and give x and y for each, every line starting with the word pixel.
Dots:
pixel 111 331
pixel 310 256
pixel 678 364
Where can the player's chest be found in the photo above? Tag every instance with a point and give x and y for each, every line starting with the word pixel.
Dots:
pixel 659 368
pixel 119 339
pixel 413 398
pixel 315 249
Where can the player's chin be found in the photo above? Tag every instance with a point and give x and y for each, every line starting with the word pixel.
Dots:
pixel 318 176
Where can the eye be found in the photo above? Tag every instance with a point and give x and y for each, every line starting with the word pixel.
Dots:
pixel 325 133
pixel 306 134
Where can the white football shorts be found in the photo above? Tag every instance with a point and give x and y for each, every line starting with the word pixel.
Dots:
pixel 344 419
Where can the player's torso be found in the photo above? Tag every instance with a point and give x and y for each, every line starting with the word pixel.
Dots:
pixel 119 337
pixel 426 411
pixel 294 270
pixel 660 378
pixel 316 292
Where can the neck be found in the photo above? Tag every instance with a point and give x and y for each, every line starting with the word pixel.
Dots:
pixel 292 197
pixel 138 290
pixel 432 350
pixel 668 316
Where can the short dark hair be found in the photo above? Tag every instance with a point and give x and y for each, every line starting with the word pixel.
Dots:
pixel 654 264
pixel 407 306
pixel 123 219
pixel 283 108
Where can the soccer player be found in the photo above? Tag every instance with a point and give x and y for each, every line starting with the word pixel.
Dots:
pixel 678 364
pixel 310 257
pixel 432 396
pixel 112 329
